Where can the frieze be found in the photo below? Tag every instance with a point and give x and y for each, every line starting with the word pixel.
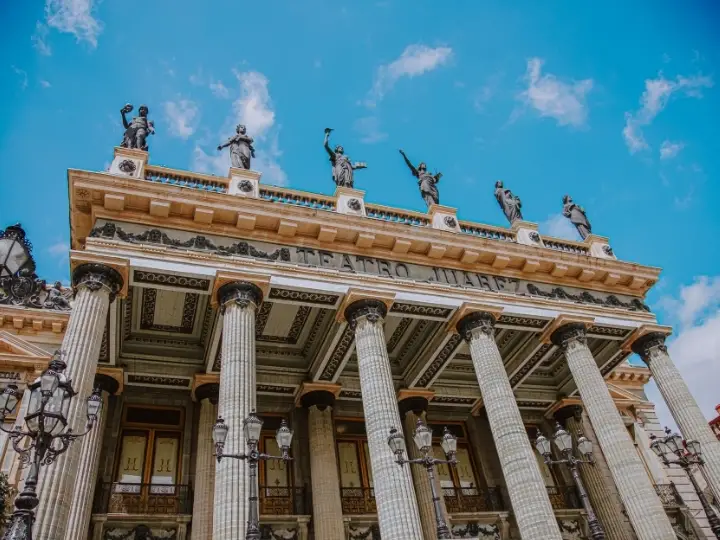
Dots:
pixel 351 394
pixel 315 331
pixel 127 317
pixel 530 364
pixel 476 530
pixel 525 322
pixel 184 282
pixel 262 318
pixel 357 264
pixel 296 328
pixel 159 380
pixel 275 389
pixel 141 532
pixel 425 311
pixel 149 305
pixel 420 328
pixel 207 323
pixel 304 297
pixel 454 400
pixel 440 360
pixel 9 375
pixel 609 331
pixel 104 355
pixel 398 334
pixel 341 349
pixel 612 365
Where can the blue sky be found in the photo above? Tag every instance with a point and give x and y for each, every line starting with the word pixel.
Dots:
pixel 616 105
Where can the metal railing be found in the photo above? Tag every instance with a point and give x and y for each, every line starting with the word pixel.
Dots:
pixel 358 500
pixel 487 231
pixel 563 497
pixel 167 499
pixel 472 500
pixel 297 198
pixel 668 494
pixel 202 182
pixel 283 501
pixel 394 215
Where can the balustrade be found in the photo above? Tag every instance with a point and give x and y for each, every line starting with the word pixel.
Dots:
pixel 358 500
pixel 472 500
pixel 118 498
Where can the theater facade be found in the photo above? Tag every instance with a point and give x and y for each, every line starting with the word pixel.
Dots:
pixel 198 296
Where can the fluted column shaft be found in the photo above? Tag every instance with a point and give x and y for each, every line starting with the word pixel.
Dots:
pixel 600 486
pixel 641 502
pixel 204 489
pixel 239 303
pixel 324 477
pixel 423 492
pixel 530 502
pixel 396 504
pixel 682 405
pixel 96 287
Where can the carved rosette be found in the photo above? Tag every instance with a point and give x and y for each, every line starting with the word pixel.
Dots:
pixel 96 276
pixel 373 311
pixel 570 335
pixel 480 320
pixel 354 204
pixel 535 237
pixel 127 166
pixel 209 391
pixel 246 186
pixel 450 221
pixel 648 345
pixel 239 293
pixel 608 250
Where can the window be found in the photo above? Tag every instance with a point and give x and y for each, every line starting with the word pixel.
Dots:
pixel 356 480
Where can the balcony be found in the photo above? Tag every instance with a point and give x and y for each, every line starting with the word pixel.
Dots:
pixel 563 497
pixel 284 501
pixel 153 499
pixel 668 494
pixel 472 500
pixel 358 500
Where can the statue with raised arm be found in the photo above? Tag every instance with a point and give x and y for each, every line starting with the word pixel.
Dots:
pixel 241 148
pixel 342 167
pixel 577 216
pixel 509 203
pixel 426 181
pixel 138 129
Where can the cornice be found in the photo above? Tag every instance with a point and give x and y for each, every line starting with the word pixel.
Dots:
pixel 303 227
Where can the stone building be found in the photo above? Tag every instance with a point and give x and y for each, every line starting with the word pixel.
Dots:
pixel 198 296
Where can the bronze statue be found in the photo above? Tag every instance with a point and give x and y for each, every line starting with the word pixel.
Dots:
pixel 509 203
pixel 342 167
pixel 137 130
pixel 577 216
pixel 57 297
pixel 241 148
pixel 426 181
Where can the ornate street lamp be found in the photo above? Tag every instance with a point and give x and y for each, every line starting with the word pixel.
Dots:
pixel 47 432
pixel 685 455
pixel 423 440
pixel 563 442
pixel 14 251
pixel 252 427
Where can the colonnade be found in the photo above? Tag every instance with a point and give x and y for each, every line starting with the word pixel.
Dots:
pixel 400 515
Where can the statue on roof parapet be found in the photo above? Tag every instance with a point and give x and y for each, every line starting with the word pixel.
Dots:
pixel 138 129
pixel 427 182
pixel 577 216
pixel 342 168
pixel 509 203
pixel 241 148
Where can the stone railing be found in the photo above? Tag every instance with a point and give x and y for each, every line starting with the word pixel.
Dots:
pixel 568 246
pixel 487 231
pixel 297 198
pixel 202 182
pixel 284 501
pixel 472 500
pixel 393 215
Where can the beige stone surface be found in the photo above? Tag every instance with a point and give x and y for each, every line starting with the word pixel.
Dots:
pixel 204 496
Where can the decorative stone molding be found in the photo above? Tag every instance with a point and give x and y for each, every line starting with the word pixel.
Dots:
pixel 96 276
pixel 477 320
pixel 645 345
pixel 443 218
pixel 350 201
pixel 372 310
pixel 244 183
pixel 526 233
pixel 240 293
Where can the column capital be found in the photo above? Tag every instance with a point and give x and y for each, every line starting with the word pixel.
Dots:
pixel 372 310
pixel 415 404
pixel 209 391
pixel 308 388
pixel 356 298
pixel 223 286
pixel 569 333
pixel 322 399
pixel 647 338
pixel 559 329
pixel 95 276
pixel 469 309
pixel 568 411
pixel 204 380
pixel 239 293
pixel 110 379
pixel 481 320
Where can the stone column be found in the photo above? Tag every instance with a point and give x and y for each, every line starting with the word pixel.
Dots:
pixel 604 496
pixel 526 488
pixel 96 286
pixel 238 305
pixel 642 504
pixel 396 504
pixel 683 407
pixel 204 488
pixel 413 409
pixel 324 477
pixel 87 472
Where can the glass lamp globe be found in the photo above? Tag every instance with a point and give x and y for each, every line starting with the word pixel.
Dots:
pixel 252 426
pixel 694 448
pixel 220 431
pixel 659 447
pixel 54 415
pixel 8 400
pixel 94 405
pixel 423 437
pixel 584 445
pixel 543 445
pixel 562 439
pixel 674 442
pixel 396 442
pixel 284 436
pixel 449 442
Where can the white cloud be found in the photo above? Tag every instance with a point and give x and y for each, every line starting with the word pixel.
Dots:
pixel 654 99
pixel 45 84
pixel 219 89
pixel 39 39
pixel 415 60
pixel 369 129
pixel 182 116
pixel 23 77
pixel 565 102
pixel 61 252
pixel 254 107
pixel 694 300
pixel 74 17
pixel 559 226
pixel 669 150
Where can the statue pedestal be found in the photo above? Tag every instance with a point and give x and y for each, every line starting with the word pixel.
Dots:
pixel 349 201
pixel 599 247
pixel 244 183
pixel 129 162
pixel 443 218
pixel 527 233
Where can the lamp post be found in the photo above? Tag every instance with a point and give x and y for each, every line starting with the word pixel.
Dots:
pixel 47 432
pixel 252 426
pixel 423 440
pixel 563 442
pixel 686 454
